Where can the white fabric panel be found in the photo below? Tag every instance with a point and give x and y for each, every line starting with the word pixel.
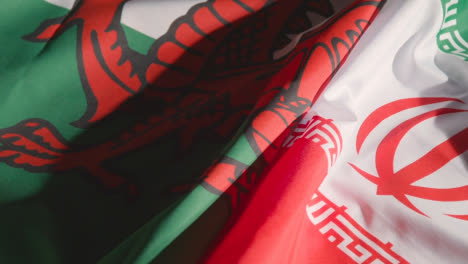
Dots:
pixel 398 58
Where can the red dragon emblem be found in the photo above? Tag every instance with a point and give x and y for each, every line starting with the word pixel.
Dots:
pixel 400 183
pixel 194 78
pixel 111 72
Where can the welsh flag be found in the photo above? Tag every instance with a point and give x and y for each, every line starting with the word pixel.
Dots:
pixel 234 131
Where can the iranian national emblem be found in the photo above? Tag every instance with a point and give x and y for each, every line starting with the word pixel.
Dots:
pixel 402 183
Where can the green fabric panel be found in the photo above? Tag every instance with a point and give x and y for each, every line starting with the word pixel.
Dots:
pixel 15 52
pixel 37 90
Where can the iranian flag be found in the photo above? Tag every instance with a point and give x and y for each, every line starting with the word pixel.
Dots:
pixel 234 131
